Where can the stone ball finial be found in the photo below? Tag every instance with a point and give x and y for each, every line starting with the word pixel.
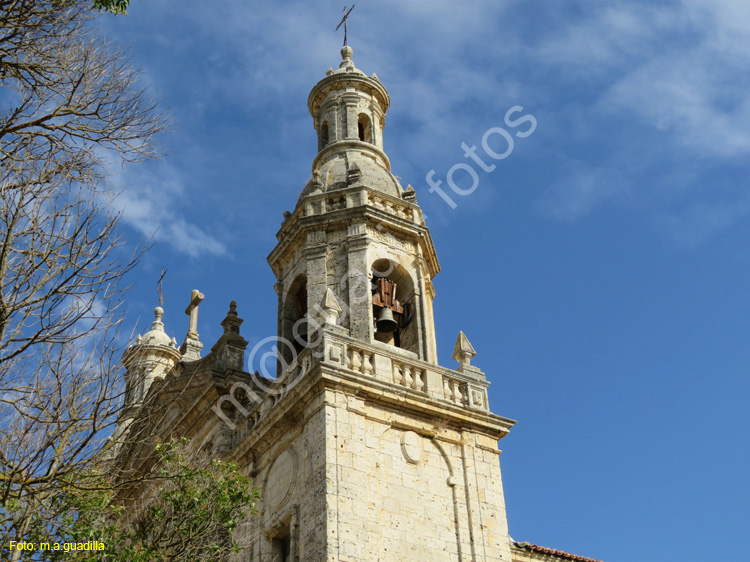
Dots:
pixel 157 324
pixel 156 335
pixel 346 53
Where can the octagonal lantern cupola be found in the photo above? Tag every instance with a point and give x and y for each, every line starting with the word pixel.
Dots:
pixel 348 109
pixel 354 256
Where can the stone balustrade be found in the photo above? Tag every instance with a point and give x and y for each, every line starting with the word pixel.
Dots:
pixel 359 360
pixel 390 206
pixel 355 197
pixel 454 390
pixel 409 375
pixel 402 369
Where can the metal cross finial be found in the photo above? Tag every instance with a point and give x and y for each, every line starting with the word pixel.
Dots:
pixel 343 21
pixel 158 286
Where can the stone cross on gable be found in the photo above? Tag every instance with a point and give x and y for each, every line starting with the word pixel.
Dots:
pixel 191 348
pixel 192 310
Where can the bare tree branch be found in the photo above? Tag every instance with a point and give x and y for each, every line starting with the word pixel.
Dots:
pixel 70 107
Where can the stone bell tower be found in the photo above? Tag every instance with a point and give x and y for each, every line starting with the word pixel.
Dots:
pixel 354 225
pixel 363 447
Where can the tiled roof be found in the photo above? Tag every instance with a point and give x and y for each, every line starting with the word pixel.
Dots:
pixel 553 552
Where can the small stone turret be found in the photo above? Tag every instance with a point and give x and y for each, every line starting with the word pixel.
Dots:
pixel 151 357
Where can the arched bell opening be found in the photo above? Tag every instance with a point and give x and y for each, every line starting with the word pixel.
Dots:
pixel 323 137
pixel 393 305
pixel 364 128
pixel 294 321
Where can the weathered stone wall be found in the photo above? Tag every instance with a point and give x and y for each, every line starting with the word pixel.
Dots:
pixel 291 475
pixel 405 490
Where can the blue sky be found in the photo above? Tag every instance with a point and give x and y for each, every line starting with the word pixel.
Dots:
pixel 601 270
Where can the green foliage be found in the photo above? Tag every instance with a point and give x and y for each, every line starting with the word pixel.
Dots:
pixel 190 513
pixel 114 6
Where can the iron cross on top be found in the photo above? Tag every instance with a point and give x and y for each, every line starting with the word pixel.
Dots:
pixel 343 21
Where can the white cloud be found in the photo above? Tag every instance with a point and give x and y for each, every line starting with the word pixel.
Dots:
pixel 692 95
pixel 604 36
pixel 676 74
pixel 676 69
pixel 152 203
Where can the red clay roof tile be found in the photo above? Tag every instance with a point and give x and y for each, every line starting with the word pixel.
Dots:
pixel 552 551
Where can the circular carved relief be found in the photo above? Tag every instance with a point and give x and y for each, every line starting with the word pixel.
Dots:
pixel 411 447
pixel 281 479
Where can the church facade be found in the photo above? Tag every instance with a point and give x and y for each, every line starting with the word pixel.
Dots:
pixel 363 447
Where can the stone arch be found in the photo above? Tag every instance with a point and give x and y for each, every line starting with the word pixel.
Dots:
pixel 364 128
pixel 323 136
pixel 406 336
pixel 293 322
pixel 426 472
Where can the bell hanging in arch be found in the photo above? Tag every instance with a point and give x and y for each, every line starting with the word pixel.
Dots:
pixel 386 323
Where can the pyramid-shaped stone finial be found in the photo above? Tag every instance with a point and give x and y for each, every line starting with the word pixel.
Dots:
pixel 463 352
pixel 331 308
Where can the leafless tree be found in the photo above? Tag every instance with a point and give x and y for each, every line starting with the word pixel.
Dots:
pixel 70 109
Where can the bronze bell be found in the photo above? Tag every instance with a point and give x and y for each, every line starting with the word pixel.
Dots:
pixel 386 322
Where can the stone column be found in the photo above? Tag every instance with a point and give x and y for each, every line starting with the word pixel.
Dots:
pixel 350 107
pixel 358 275
pixel 315 254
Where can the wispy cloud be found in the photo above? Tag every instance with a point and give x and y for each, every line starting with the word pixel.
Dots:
pixel 632 89
pixel 671 82
pixel 154 201
pixel 696 94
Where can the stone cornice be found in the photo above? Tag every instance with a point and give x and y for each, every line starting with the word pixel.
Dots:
pixel 296 227
pixel 456 398
pixel 334 82
pixel 351 144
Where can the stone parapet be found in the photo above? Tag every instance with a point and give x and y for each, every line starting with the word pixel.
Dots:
pixel 403 370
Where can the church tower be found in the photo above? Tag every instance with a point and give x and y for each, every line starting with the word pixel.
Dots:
pixel 354 228
pixel 364 448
